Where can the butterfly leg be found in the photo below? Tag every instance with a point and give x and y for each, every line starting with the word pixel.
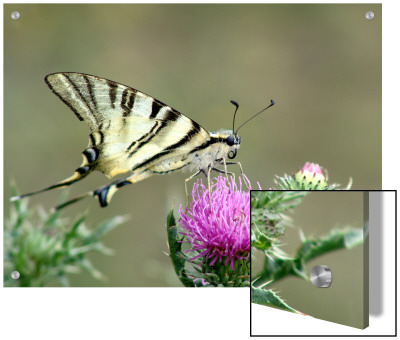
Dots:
pixel 241 171
pixel 187 180
pixel 226 170
pixel 223 172
pixel 236 163
pixel 209 183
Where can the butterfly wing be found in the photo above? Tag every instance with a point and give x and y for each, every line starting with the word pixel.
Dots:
pixel 136 143
pixel 94 100
pixel 130 129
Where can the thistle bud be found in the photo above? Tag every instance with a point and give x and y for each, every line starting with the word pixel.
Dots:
pixel 311 177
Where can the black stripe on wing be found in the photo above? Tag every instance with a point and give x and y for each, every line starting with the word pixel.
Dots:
pixel 205 145
pixel 171 116
pixel 184 140
pixel 79 94
pixel 112 92
pixel 143 138
pixel 90 89
pixel 127 101
pixel 62 98
pixel 87 96
pixel 155 108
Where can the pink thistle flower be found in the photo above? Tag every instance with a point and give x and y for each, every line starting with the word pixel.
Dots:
pixel 313 170
pixel 218 230
pixel 312 176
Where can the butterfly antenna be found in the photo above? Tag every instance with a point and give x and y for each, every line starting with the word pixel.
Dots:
pixel 271 104
pixel 234 115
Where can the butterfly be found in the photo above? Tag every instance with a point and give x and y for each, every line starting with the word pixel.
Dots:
pixel 132 132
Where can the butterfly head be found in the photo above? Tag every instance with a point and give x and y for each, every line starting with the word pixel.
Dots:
pixel 233 141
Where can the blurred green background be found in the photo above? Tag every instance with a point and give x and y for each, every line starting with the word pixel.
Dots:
pixel 320 63
pixel 319 213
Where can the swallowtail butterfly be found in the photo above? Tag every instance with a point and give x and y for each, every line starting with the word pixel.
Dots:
pixel 131 132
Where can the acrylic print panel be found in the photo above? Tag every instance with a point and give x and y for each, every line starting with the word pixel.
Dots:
pixel 317 260
pixel 320 63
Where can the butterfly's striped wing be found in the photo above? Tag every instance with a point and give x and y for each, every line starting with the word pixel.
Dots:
pixel 130 131
pixel 137 144
pixel 95 99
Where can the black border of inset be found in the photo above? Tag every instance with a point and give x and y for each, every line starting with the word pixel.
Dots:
pixel 395 294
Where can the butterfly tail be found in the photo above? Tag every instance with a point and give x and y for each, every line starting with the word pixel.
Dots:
pixel 79 174
pixel 73 200
pixel 103 194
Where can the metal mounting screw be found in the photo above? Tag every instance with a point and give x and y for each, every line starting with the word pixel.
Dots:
pixel 321 276
pixel 15 275
pixel 15 15
pixel 370 15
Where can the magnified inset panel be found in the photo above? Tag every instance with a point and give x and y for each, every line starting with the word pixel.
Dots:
pixel 310 253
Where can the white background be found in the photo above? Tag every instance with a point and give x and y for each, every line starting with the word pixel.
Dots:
pixel 181 313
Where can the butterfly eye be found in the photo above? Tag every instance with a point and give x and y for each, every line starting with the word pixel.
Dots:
pixel 232 154
pixel 230 140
